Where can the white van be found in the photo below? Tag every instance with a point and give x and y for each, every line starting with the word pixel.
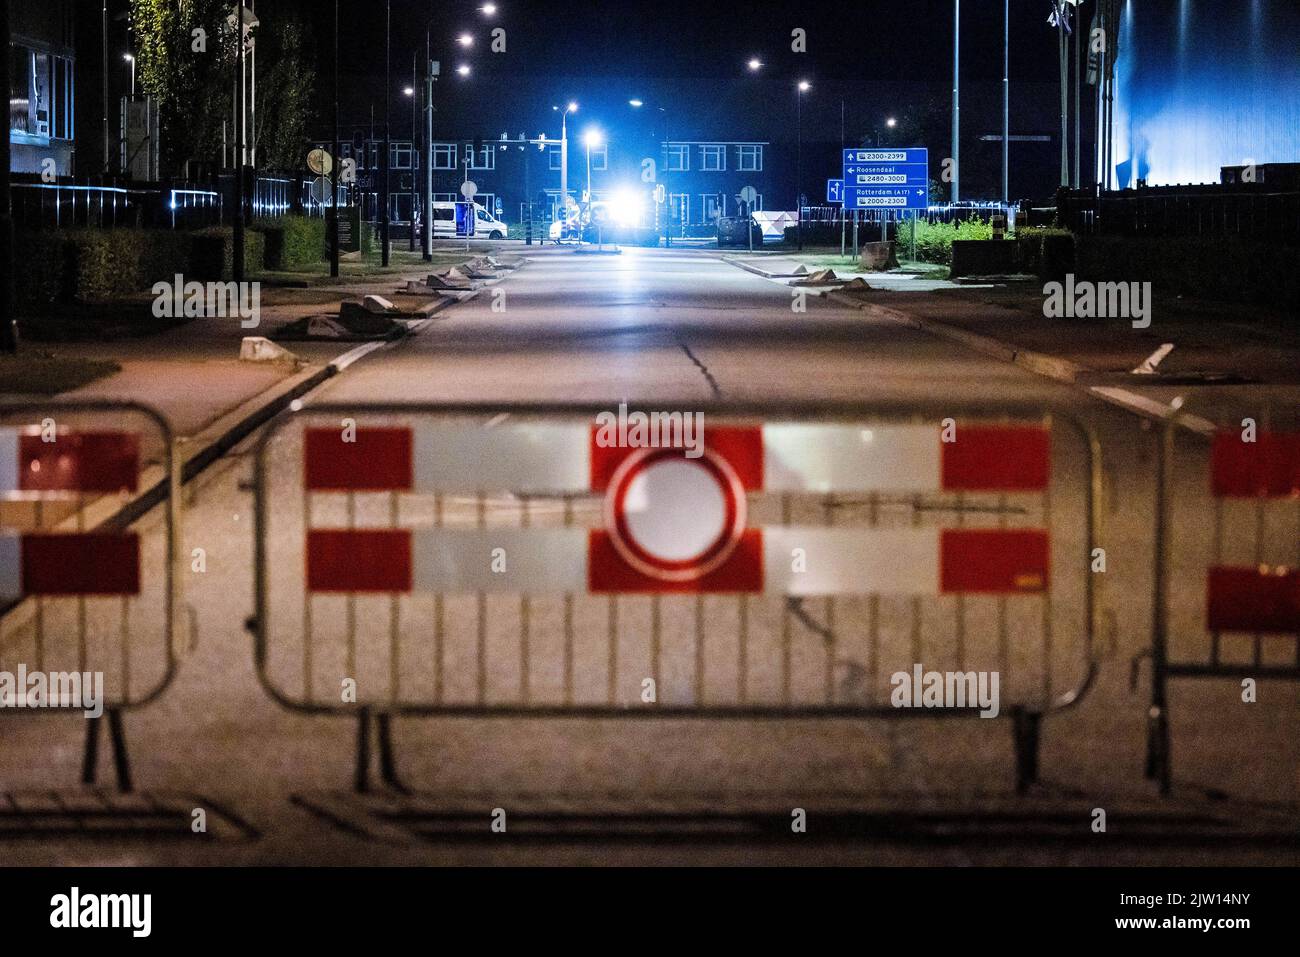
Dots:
pixel 486 226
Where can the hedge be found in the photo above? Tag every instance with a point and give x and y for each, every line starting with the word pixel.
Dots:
pixel 292 241
pixel 1046 253
pixel 94 265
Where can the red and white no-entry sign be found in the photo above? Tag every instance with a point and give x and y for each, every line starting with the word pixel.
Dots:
pixel 672 522
pixel 674 517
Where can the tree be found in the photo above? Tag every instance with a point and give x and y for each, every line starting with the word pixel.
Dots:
pixel 281 121
pixel 185 52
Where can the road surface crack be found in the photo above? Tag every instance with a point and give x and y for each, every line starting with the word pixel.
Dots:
pixel 704 370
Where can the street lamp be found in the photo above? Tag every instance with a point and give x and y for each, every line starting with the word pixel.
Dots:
pixel 572 107
pixel 463 69
pixel 589 139
pixel 488 9
pixel 803 87
pixel 465 40
pixel 755 64
pixel 668 208
pixel 131 60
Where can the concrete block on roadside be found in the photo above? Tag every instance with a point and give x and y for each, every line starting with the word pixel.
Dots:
pixel 325 327
pixel 262 349
pixel 378 305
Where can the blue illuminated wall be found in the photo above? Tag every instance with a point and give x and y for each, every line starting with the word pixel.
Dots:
pixel 1204 84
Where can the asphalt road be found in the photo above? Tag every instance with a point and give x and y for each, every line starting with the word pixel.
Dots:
pixel 668 329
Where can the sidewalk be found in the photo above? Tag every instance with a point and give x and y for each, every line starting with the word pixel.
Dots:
pixel 1220 350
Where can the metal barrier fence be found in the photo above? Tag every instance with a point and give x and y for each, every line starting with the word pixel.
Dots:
pixel 1227 575
pixel 1259 213
pixel 483 560
pixel 81 592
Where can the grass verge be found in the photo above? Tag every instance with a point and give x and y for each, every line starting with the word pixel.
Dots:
pixel 37 372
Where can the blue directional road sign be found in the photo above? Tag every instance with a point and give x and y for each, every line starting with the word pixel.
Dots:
pixel 835 191
pixel 886 178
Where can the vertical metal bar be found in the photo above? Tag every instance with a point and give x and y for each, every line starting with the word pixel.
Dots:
pixel 829 678
pixel 83 649
pixel 126 648
pixel 656 640
pixel 568 618
pixel 350 662
pixel 699 651
pixel 482 614
pixel 394 618
pixel 916 600
pixel 1217 551
pixel 1047 592
pixel 613 649
pixel 1004 638
pixel 873 609
pixel 742 651
pixel 960 608
pixel 439 634
pixel 39 515
pixel 525 617
pixel 306 608
pixel 786 651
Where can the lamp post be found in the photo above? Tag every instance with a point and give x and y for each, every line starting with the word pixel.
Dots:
pixel 589 139
pixel 388 148
pixel 410 91
pixel 334 166
pixel 801 88
pixel 572 107
pixel 129 58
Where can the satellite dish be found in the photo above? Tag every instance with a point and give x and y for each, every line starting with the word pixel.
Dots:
pixel 320 162
pixel 468 188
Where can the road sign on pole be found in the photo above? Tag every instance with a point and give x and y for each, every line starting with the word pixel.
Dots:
pixel 835 191
pixel 886 178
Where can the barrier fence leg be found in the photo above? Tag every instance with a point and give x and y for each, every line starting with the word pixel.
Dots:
pixel 362 780
pixel 1158 762
pixel 387 758
pixel 1024 728
pixel 117 738
pixel 91 756
pixel 121 764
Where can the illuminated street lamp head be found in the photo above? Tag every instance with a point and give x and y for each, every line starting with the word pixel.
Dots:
pixel 463 69
pixel 592 138
pixel 804 86
pixel 408 91
pixel 488 9
pixel 891 122
pixel 635 103
pixel 128 57
pixel 465 40
pixel 755 64
pixel 572 107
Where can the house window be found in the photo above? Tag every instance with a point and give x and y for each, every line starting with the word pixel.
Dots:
pixel 749 159
pixel 554 154
pixel 680 206
pixel 679 157
pixel 445 197
pixel 402 155
pixel 485 158
pixel 444 155
pixel 713 158
pixel 714 205
pixel 600 157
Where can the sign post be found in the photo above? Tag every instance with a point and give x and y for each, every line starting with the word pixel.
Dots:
pixel 835 194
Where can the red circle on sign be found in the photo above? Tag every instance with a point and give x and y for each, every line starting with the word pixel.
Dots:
pixel 717 512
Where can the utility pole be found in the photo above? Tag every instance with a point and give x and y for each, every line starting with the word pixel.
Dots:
pixel 956 100
pixel 334 166
pixel 1078 94
pixel 427 240
pixel 8 324
pixel 415 140
pixel 388 95
pixel 105 51
pixel 1006 100
pixel 237 245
